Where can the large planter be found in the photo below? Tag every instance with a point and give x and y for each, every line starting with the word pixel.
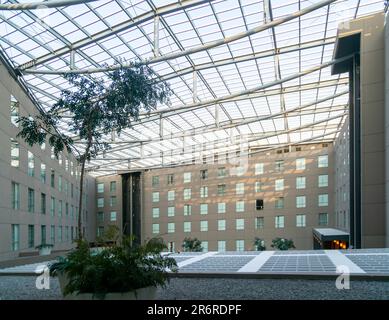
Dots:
pixel 148 293
pixel 45 251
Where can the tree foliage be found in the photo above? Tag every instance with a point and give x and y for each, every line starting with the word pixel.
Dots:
pixel 192 245
pixel 282 244
pixel 259 244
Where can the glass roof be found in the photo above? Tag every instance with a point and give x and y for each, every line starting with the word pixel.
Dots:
pixel 237 73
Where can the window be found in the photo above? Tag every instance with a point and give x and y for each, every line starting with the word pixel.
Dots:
pixel 43 173
pixel 155 181
pixel 221 207
pixel 43 203
pixel 204 208
pixel 259 168
pixel 67 233
pixel 100 202
pixel 239 223
pixel 187 177
pixel 66 188
pixel 43 146
pixel 240 206
pixel 240 171
pixel 204 174
pixel 60 183
pixel 52 155
pixel 100 187
pixel 67 164
pixel 31 164
pixel 43 234
pixel 300 164
pixel 171 227
pixel 14 111
pixel 72 190
pixel 301 202
pixel 31 236
pixel 60 234
pixel 300 182
pixel 203 225
pixel 221 189
pixel 279 204
pixel 112 186
pixel 155 212
pixel 279 222
pixel 323 219
pixel 15 196
pixel 221 225
pixel 221 172
pixel 239 244
pixel 259 222
pixel 170 179
pixel 239 188
pixel 279 184
pixel 204 245
pixel 171 195
pixel 258 186
pixel 15 237
pixel 171 211
pixel 155 228
pixel 187 226
pixel 113 216
pixel 221 246
pixel 187 194
pixel 100 216
pixel 31 200
pixel 14 153
pixel 323 200
pixel 52 178
pixel 279 165
pixel 259 204
pixel 300 220
pixel 52 234
pixel 187 210
pixel 100 231
pixel 322 161
pixel 52 206
pixel 67 208
pixel 323 180
pixel 203 192
pixel 156 196
pixel 112 201
pixel 60 205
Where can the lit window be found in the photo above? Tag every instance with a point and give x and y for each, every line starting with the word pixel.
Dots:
pixel 259 168
pixel 187 194
pixel 323 200
pixel 300 182
pixel 323 161
pixel 300 164
pixel 221 246
pixel 259 222
pixel 279 204
pixel 279 222
pixel 239 224
pixel 187 177
pixel 323 180
pixel 221 225
pixel 113 216
pixel 239 188
pixel 187 226
pixel 170 211
pixel 155 196
pixel 204 208
pixel 203 225
pixel 171 227
pixel 221 207
pixel 155 228
pixel 203 192
pixel 300 220
pixel 171 195
pixel 240 206
pixel 239 244
pixel 323 219
pixel 279 184
pixel 14 153
pixel 301 202
pixel 100 202
pixel 187 210
pixel 155 212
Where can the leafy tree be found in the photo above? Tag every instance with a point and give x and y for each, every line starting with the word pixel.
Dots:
pixel 192 245
pixel 97 107
pixel 259 244
pixel 282 244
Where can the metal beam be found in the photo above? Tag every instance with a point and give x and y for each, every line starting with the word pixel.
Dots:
pixel 42 5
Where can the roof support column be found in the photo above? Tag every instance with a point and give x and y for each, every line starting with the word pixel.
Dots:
pixel 195 87
pixel 156 36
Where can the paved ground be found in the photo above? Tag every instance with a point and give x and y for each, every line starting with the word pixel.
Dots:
pixel 23 288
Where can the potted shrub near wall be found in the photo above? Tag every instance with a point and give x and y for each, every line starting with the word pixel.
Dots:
pixel 44 249
pixel 118 272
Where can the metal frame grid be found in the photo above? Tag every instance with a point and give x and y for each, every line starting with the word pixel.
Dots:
pixel 241 70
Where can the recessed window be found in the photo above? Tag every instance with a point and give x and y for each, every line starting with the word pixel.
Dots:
pixel 203 192
pixel 204 174
pixel 279 185
pixel 171 211
pixel 52 206
pixel 323 200
pixel 187 177
pixel 156 196
pixel 221 225
pixel 259 222
pixel 323 180
pixel 300 220
pixel 15 196
pixel 171 227
pixel 279 222
pixel 155 228
pixel 279 165
pixel 239 245
pixel 31 200
pixel 171 195
pixel 100 202
pixel 258 186
pixel 15 237
pixel 221 172
pixel 113 216
pixel 323 219
pixel 259 204
pixel 240 171
pixel 112 201
pixel 301 202
pixel 170 179
pixel 259 168
pixel 279 204
pixel 221 189
pixel 43 203
pixel 322 161
pixel 221 207
pixel 14 111
pixel 31 236
pixel 300 164
pixel 100 216
pixel 187 210
pixel 239 224
pixel 187 226
pixel 203 225
pixel 221 246
pixel 239 188
pixel 300 182
pixel 155 181
pixel 112 186
pixel 14 153
pixel 204 208
pixel 204 245
pixel 240 206
pixel 155 212
pixel 187 194
pixel 31 164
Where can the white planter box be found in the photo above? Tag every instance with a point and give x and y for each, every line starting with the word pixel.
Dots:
pixel 45 251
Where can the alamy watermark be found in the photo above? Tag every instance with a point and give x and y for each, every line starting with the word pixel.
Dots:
pixel 42 281
pixel 343 280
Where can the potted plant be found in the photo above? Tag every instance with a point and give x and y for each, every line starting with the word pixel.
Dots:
pixel 259 244
pixel 118 272
pixel 44 249
pixel 283 244
pixel 192 245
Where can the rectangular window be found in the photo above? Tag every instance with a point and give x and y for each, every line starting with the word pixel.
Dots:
pixel 52 206
pixel 171 195
pixel 15 196
pixel 300 182
pixel 279 185
pixel 259 222
pixel 258 186
pixel 323 219
pixel 60 208
pixel 300 220
pixel 43 234
pixel 239 223
pixel 100 231
pixel 67 233
pixel 203 192
pixel 187 226
pixel 239 188
pixel 279 222
pixel 323 180
pixel 323 200
pixel 204 208
pixel 31 236
pixel 259 168
pixel 43 173
pixel 221 189
pixel 240 171
pixel 171 227
pixel 221 225
pixel 14 111
pixel 52 178
pixel 203 174
pixel 300 164
pixel 239 206
pixel 60 234
pixel 259 204
pixel 60 183
pixel 239 244
pixel 203 225
pixel 279 204
pixel 301 202
pixel 67 208
pixel 155 212
pixel 112 186
pixel 221 207
pixel 221 246
pixel 43 203
pixel 72 190
pixel 14 153
pixel 31 200
pixel 170 179
pixel 31 164
pixel 204 245
pixel 113 215
pixel 221 172
pixel 155 181
pixel 100 202
pixel 52 234
pixel 100 216
pixel 171 211
pixel 100 187
pixel 155 228
pixel 279 165
pixel 187 177
pixel 187 210
pixel 322 161
pixel 156 196
pixel 187 194
pixel 15 237
pixel 112 201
